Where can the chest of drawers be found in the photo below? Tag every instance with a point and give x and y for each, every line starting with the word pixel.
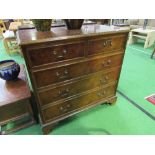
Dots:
pixel 72 70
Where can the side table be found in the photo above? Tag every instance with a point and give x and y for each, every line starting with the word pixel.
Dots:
pixel 145 34
pixel 15 105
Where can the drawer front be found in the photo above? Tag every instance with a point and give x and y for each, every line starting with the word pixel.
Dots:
pixel 100 79
pixel 67 72
pixel 55 54
pixel 13 110
pixel 61 109
pixel 106 44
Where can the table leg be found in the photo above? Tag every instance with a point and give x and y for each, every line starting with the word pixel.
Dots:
pixel 0 129
pixel 130 41
pixel 146 41
pixel 2 132
pixel 149 39
pixel 6 46
pixel 152 54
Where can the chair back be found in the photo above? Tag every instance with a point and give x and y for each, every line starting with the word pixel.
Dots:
pixel 2 27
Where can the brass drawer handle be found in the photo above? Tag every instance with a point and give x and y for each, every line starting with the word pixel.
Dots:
pixel 54 52
pixel 68 105
pixel 101 94
pixel 64 52
pixel 104 92
pixel 62 56
pixel 65 109
pixel 104 80
pixel 107 64
pixel 62 109
pixel 64 93
pixel 64 76
pixel 107 43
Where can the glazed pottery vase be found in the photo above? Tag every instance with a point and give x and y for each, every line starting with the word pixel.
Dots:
pixel 9 70
pixel 42 24
pixel 73 24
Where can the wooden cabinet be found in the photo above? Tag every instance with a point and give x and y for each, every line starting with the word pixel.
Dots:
pixel 72 70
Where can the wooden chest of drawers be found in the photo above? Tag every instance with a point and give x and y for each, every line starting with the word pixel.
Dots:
pixel 72 70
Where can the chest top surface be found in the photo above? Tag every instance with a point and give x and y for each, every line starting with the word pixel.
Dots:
pixel 31 36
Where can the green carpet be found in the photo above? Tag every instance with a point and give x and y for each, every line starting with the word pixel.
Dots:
pixel 136 81
pixel 137 76
pixel 122 118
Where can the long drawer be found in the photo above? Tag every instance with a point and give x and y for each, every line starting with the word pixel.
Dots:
pixel 69 71
pixel 55 53
pixel 106 44
pixel 66 107
pixel 92 81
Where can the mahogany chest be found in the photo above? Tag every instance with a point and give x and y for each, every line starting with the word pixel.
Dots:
pixel 72 70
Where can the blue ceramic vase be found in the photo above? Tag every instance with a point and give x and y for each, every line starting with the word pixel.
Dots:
pixel 9 70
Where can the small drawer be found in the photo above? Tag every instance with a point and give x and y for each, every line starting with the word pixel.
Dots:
pixel 106 44
pixel 104 63
pixel 99 79
pixel 55 54
pixel 13 110
pixel 75 104
pixel 67 72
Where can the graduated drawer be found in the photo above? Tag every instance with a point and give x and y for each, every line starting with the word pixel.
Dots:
pixel 55 53
pixel 106 44
pixel 99 79
pixel 55 111
pixel 70 71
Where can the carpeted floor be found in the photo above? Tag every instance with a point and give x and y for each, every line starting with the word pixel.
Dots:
pixel 137 76
pixel 132 114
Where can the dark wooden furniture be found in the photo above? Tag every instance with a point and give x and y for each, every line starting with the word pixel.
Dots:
pixel 73 70
pixel 15 105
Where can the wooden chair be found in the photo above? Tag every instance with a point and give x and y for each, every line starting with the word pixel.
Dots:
pixel 1 33
pixel 14 26
pixel 9 41
pixel 2 28
pixel 9 37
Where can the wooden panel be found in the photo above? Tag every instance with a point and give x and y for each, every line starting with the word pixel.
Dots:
pixel 10 111
pixel 99 79
pixel 67 72
pixel 55 53
pixel 106 44
pixel 66 107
